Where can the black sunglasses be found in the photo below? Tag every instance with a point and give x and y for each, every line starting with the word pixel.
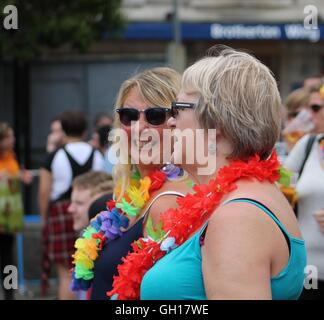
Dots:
pixel 316 107
pixel 293 114
pixel 176 106
pixel 154 116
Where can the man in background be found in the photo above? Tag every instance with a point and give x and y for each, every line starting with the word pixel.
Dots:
pixel 86 189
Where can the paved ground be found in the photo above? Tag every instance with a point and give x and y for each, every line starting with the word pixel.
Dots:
pixel 31 291
pixel 28 262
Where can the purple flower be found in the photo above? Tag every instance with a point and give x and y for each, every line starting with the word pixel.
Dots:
pixel 119 219
pixel 79 284
pixel 171 171
pixel 112 222
pixel 168 244
pixel 96 223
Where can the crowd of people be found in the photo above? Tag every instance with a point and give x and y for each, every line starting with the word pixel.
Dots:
pixel 123 226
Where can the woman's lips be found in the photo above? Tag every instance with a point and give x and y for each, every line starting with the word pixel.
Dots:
pixel 145 144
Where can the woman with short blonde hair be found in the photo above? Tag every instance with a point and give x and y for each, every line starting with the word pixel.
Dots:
pixel 224 241
pixel 239 96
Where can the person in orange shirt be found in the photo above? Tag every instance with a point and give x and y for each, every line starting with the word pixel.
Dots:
pixel 11 206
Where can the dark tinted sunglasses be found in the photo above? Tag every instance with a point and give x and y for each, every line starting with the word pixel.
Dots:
pixel 154 116
pixel 316 107
pixel 293 114
pixel 176 106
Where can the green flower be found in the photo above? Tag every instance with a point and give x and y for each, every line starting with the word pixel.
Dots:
pixel 190 184
pixel 83 273
pixel 154 233
pixel 136 175
pixel 285 176
pixel 127 208
pixel 88 232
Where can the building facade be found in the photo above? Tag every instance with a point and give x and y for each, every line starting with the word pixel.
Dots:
pixel 273 30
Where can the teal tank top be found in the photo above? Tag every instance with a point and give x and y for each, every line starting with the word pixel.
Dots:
pixel 178 275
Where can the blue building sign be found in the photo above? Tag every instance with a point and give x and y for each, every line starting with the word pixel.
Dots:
pixel 222 31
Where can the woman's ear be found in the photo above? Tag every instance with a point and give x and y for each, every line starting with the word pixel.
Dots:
pixel 224 146
pixel 219 134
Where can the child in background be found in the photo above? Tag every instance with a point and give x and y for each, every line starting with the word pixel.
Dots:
pixel 86 189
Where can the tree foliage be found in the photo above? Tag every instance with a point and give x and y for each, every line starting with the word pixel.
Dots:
pixel 52 23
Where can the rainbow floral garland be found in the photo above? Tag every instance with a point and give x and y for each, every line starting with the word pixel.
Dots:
pixel 178 224
pixel 109 225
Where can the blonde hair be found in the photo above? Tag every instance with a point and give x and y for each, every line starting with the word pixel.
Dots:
pixel 158 87
pixel 98 182
pixel 296 99
pixel 239 96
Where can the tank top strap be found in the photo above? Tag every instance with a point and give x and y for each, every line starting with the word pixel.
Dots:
pixel 165 193
pixel 264 209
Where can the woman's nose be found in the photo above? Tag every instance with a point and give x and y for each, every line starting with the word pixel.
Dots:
pixel 142 123
pixel 171 123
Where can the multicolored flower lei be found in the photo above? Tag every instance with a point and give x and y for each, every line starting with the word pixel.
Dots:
pixel 109 225
pixel 178 224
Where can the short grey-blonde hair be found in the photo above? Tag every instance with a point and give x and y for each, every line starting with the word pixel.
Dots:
pixel 159 87
pixel 239 96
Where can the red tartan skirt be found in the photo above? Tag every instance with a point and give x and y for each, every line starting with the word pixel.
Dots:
pixel 60 234
pixel 58 240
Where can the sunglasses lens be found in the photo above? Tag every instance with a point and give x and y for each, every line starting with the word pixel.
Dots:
pixel 293 114
pixel 155 116
pixel 315 107
pixel 128 115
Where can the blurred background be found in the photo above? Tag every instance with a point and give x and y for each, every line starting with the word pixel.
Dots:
pixel 75 54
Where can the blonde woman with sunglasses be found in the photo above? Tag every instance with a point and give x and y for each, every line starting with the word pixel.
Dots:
pixel 143 188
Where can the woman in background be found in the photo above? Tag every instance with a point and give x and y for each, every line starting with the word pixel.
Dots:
pixel 11 206
pixel 307 160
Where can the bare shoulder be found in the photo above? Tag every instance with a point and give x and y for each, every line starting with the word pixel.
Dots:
pixel 238 223
pixel 234 245
pixel 269 196
pixel 171 191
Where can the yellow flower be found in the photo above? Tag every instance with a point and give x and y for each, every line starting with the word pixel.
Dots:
pixel 144 188
pixel 136 197
pixel 82 258
pixel 134 183
pixel 88 246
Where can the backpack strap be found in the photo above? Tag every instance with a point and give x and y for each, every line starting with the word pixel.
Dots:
pixel 77 170
pixel 308 149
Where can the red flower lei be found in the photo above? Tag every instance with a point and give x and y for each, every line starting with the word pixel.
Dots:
pixel 194 210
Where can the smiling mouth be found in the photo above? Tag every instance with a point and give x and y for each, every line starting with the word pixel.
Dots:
pixel 145 144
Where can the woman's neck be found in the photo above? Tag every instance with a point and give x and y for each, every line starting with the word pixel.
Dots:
pixel 145 169
pixel 196 171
